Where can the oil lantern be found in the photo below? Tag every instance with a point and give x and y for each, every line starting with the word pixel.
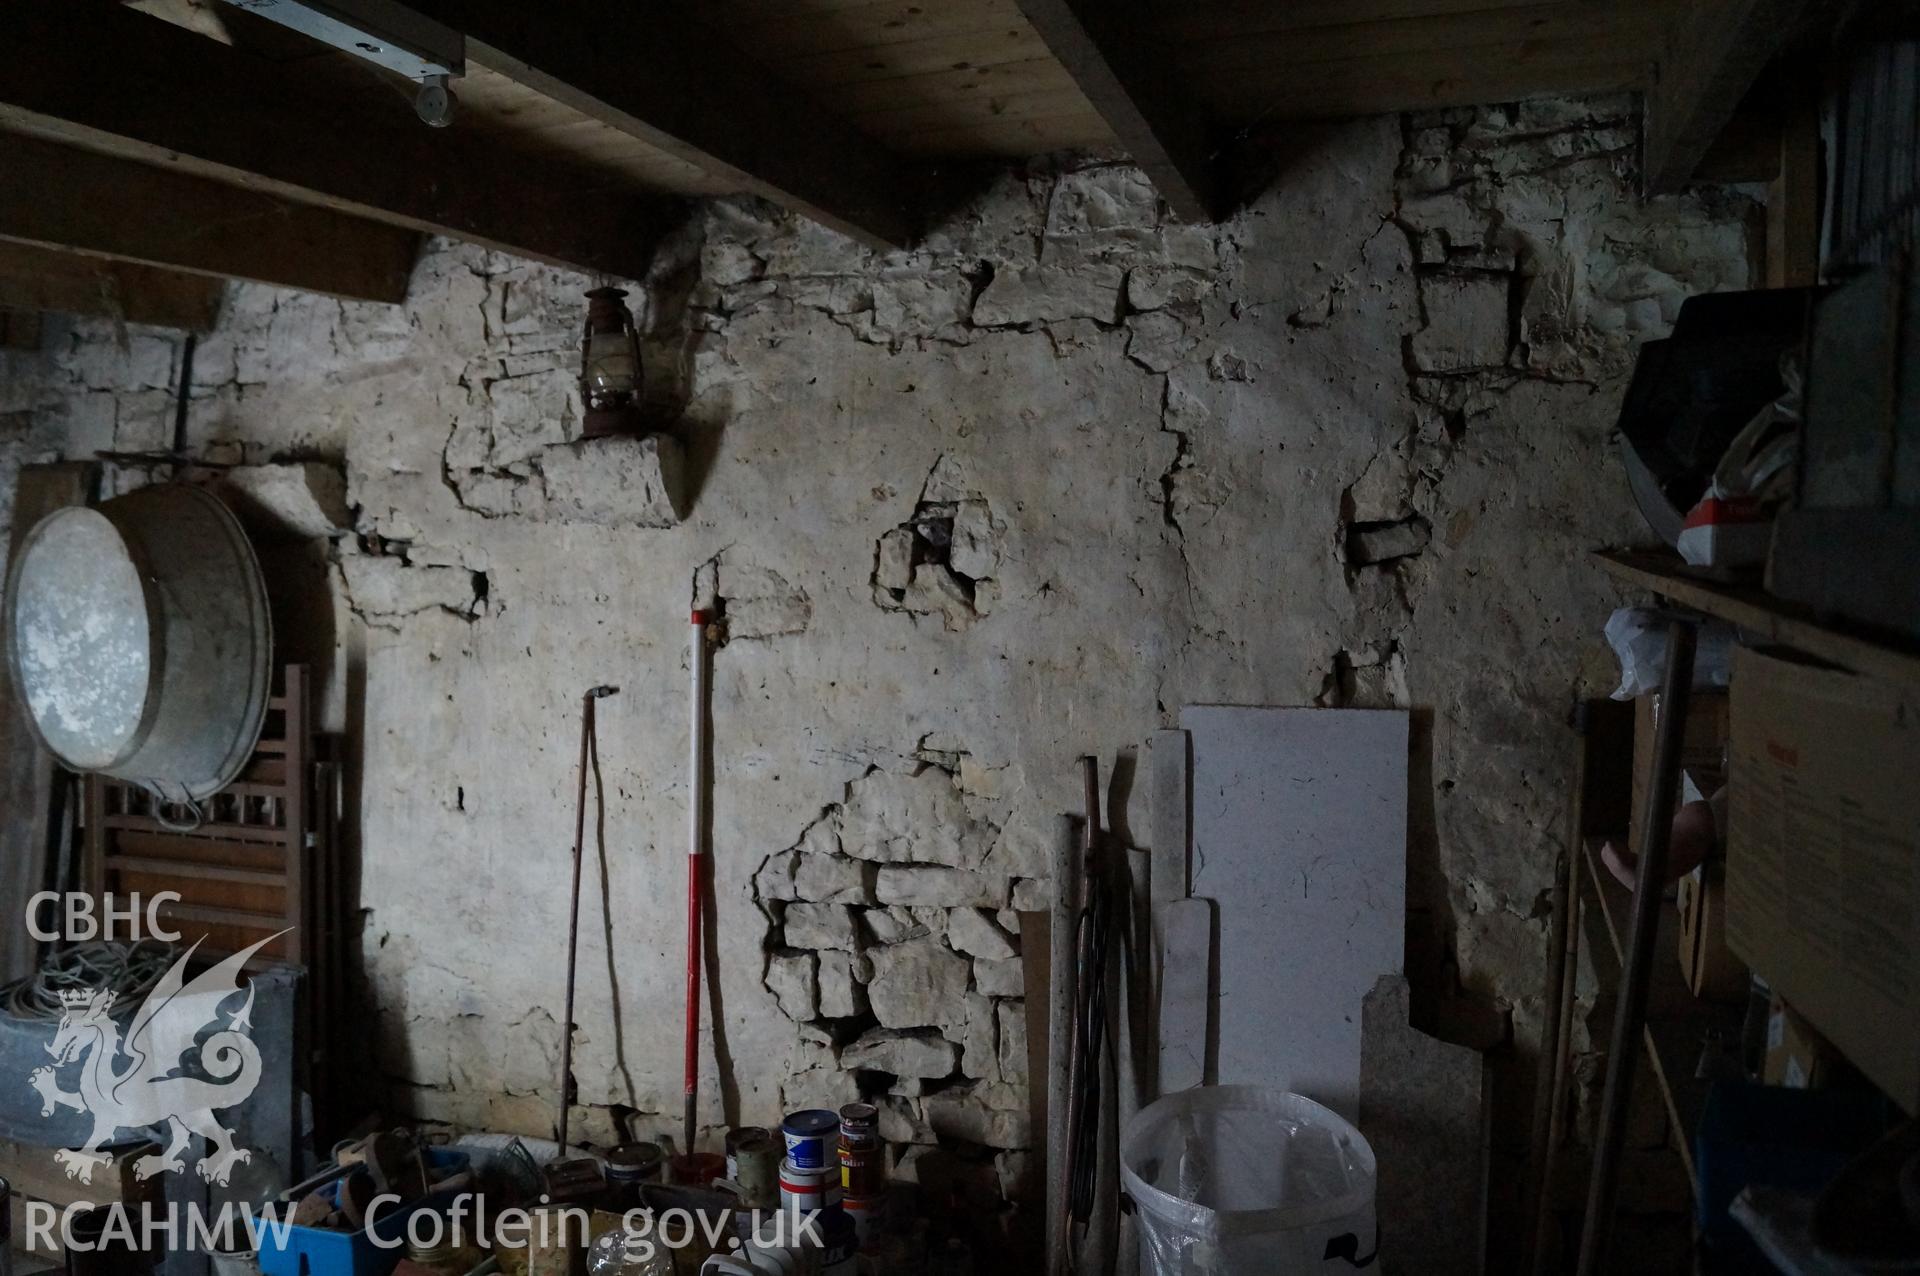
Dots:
pixel 610 366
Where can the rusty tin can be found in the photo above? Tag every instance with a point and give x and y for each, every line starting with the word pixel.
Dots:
pixel 753 1164
pixel 862 1169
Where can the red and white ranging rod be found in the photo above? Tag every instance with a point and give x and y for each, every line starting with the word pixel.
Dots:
pixel 696 846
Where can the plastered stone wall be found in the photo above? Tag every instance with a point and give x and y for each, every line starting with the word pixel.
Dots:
pixel 968 513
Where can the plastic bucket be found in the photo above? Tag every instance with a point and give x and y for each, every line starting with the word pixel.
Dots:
pixel 1248 1181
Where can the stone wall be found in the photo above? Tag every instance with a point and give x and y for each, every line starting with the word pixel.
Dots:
pixel 968 513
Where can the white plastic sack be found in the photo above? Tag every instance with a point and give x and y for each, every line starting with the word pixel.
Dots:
pixel 1638 636
pixel 1248 1181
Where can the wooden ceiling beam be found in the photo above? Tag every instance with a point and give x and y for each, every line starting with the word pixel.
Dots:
pixel 62 197
pixel 45 279
pixel 1109 49
pixel 656 74
pixel 103 77
pixel 1715 51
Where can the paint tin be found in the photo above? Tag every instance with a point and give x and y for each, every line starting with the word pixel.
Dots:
pixel 748 1140
pixel 862 1169
pixel 840 1244
pixel 865 1213
pixel 629 1164
pixel 753 1165
pixel 807 1134
pixel 807 1188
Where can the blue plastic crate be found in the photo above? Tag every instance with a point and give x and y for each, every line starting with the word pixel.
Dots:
pixel 1775 1137
pixel 317 1251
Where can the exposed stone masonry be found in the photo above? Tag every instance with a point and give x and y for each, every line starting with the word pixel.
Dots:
pixel 966 513
pixel 940 561
pixel 892 946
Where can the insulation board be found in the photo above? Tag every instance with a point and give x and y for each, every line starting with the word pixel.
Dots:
pixel 1299 836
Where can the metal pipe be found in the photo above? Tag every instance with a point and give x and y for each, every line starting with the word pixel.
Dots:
pixel 696 844
pixel 573 907
pixel 1630 1017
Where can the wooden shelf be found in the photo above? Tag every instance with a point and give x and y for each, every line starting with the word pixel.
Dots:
pixel 1761 614
pixel 1678 1023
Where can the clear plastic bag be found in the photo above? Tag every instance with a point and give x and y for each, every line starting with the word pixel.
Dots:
pixel 1638 636
pixel 1248 1181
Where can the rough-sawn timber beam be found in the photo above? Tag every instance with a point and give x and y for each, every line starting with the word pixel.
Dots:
pixel 98 75
pixel 655 74
pixel 1105 46
pixel 1714 53
pixel 42 279
pixel 63 197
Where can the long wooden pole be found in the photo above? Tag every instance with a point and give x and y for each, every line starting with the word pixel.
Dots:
pixel 1062 996
pixel 1630 1017
pixel 1563 965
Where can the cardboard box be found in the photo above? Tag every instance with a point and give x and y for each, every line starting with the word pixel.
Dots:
pixel 1703 749
pixel 1798 1057
pixel 1711 969
pixel 1823 856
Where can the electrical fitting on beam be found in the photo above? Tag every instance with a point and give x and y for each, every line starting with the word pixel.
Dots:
pixel 386 34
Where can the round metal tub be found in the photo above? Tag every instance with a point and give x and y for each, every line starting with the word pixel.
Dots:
pixel 138 635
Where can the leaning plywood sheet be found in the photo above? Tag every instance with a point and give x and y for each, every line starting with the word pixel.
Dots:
pixel 1299 836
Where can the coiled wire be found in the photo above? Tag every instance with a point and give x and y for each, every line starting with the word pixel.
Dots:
pixel 129 969
pixel 1090 1013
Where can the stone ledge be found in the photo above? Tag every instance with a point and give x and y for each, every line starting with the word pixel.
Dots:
pixel 616 482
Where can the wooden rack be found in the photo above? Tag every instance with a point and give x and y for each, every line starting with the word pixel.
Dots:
pixel 1679 1024
pixel 1767 618
pixel 264 862
pixel 244 873
pixel 1674 1026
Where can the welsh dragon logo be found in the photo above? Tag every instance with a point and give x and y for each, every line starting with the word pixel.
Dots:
pixel 147 1090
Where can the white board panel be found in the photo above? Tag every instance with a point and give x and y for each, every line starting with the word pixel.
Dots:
pixel 1299 836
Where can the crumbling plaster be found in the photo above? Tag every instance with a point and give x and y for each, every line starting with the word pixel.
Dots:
pixel 1349 447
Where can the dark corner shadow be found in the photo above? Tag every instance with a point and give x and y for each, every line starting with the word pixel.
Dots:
pixel 667 347
pixel 948 187
pixel 1428 955
pixel 1256 157
pixel 699 437
pixel 308 629
pixel 1440 1005
pixel 1119 793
